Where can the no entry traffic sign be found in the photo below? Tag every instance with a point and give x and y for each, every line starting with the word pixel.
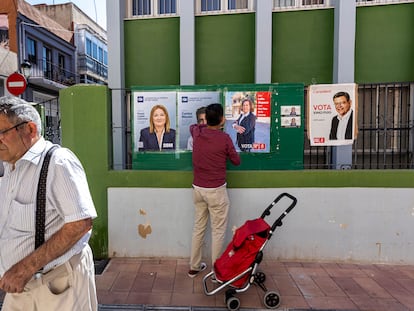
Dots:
pixel 16 83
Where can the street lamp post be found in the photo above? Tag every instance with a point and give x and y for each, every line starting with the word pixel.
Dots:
pixel 26 68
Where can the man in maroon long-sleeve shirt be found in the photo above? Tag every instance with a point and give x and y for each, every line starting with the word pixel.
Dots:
pixel 211 150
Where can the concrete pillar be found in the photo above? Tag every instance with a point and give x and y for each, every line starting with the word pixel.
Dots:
pixel 263 68
pixel 344 62
pixel 187 45
pixel 116 81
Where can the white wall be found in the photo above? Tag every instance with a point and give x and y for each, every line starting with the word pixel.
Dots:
pixel 327 224
pixel 8 63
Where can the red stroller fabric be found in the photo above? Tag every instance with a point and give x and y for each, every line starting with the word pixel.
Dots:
pixel 241 251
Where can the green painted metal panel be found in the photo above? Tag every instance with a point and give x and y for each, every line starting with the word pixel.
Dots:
pixel 225 48
pixel 86 130
pixel 152 51
pixel 384 43
pixel 269 179
pixel 303 46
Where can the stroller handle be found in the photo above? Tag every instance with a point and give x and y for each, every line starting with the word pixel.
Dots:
pixel 278 221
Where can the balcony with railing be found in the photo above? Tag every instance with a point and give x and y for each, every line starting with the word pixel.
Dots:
pixel 45 73
pixel 89 66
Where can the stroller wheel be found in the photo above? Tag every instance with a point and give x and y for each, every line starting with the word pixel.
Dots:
pixel 259 277
pixel 271 300
pixel 233 303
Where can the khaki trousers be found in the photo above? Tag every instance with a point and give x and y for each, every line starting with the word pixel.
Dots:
pixel 214 203
pixel 68 287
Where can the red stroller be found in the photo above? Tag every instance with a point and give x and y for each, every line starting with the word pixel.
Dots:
pixel 237 266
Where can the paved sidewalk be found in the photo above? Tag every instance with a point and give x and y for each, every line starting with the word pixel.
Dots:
pixel 163 284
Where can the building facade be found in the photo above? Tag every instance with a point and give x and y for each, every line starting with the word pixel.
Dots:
pixel 61 45
pixel 88 37
pixel 312 42
pixel 45 46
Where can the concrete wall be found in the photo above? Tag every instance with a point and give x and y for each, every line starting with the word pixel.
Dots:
pixel 330 224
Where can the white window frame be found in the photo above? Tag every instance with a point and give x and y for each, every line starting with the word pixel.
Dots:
pixel 224 8
pixel 154 10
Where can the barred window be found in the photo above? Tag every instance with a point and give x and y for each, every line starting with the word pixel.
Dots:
pixel 312 2
pixel 238 4
pixel 141 7
pixel 283 3
pixel 376 2
pixel 31 50
pixel 277 4
pixel 154 7
pixel 223 6
pixel 210 5
pixel 167 7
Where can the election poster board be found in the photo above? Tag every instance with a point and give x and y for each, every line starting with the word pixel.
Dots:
pixel 332 114
pixel 187 104
pixel 276 144
pixel 259 136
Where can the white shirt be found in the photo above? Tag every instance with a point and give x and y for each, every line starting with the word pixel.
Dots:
pixel 343 122
pixel 190 143
pixel 67 200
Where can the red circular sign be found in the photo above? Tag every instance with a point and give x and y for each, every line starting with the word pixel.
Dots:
pixel 16 83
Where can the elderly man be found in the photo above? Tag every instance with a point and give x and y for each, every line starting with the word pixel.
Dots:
pixel 58 274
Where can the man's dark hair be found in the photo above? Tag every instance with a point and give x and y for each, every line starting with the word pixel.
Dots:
pixel 214 114
pixel 339 94
pixel 199 111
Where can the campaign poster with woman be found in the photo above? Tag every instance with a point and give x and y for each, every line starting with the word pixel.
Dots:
pixel 154 121
pixel 248 119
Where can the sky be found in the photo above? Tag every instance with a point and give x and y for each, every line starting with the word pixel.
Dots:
pixel 95 9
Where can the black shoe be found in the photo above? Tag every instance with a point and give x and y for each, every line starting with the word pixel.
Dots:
pixel 194 273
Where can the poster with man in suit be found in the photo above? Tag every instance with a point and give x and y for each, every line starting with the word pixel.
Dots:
pixel 332 114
